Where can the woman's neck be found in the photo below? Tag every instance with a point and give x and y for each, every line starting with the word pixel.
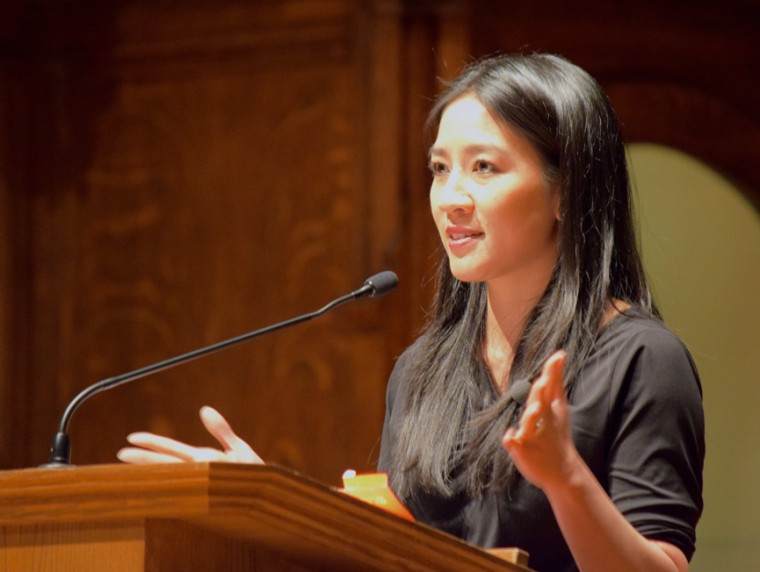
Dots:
pixel 507 313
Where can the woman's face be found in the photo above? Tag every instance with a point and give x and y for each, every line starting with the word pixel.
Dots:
pixel 496 215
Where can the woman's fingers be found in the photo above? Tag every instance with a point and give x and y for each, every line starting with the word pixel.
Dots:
pixel 163 446
pixel 539 441
pixel 554 370
pixel 235 448
pixel 531 421
pixel 151 448
pixel 548 387
pixel 137 456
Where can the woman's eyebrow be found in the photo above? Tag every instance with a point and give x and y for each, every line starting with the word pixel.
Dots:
pixel 473 149
pixel 435 151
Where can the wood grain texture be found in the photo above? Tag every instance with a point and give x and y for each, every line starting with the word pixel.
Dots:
pixel 67 547
pixel 279 511
pixel 202 174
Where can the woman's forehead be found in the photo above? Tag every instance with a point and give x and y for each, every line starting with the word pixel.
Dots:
pixel 467 116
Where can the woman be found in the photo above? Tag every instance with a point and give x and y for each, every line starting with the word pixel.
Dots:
pixel 545 406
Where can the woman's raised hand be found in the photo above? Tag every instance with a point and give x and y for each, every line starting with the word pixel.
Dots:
pixel 541 446
pixel 150 448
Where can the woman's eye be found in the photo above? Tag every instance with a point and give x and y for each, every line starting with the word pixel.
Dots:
pixel 482 166
pixel 437 168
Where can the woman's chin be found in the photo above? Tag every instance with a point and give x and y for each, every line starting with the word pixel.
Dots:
pixel 466 274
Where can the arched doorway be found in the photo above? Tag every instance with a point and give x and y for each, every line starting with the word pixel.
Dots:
pixel 700 239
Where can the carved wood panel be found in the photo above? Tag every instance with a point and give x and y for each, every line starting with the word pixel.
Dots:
pixel 200 172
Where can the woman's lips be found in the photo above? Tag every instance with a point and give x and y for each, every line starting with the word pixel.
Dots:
pixel 460 238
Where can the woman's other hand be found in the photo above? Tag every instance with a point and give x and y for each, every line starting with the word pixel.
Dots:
pixel 151 448
pixel 540 445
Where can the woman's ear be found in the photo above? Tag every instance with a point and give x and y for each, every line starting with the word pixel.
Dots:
pixel 556 199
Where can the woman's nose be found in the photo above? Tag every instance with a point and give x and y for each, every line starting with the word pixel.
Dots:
pixel 452 194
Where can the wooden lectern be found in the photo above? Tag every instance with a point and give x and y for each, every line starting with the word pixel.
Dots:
pixel 206 517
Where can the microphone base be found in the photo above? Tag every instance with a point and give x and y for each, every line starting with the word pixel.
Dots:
pixel 56 465
pixel 60 452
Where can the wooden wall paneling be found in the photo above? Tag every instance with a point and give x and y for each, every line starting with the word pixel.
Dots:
pixel 6 275
pixel 434 46
pixel 678 73
pixel 22 129
pixel 383 128
pixel 206 180
pixel 418 236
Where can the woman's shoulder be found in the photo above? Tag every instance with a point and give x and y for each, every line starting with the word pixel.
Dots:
pixel 636 329
pixel 641 347
pixel 410 354
pixel 400 374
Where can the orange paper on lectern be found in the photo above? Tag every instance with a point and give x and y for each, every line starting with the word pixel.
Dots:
pixel 373 489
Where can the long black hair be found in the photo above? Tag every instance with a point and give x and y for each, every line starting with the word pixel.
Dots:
pixel 450 436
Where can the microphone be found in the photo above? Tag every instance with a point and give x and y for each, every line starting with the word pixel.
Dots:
pixel 60 452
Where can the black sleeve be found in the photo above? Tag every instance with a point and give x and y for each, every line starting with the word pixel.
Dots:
pixel 657 446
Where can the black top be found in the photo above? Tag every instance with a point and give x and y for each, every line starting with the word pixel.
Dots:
pixel 637 421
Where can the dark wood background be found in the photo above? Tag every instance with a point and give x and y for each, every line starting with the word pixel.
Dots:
pixel 177 173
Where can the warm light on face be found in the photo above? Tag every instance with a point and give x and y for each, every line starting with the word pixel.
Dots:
pixel 496 215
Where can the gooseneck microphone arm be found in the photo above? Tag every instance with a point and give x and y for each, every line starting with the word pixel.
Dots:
pixel 60 452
